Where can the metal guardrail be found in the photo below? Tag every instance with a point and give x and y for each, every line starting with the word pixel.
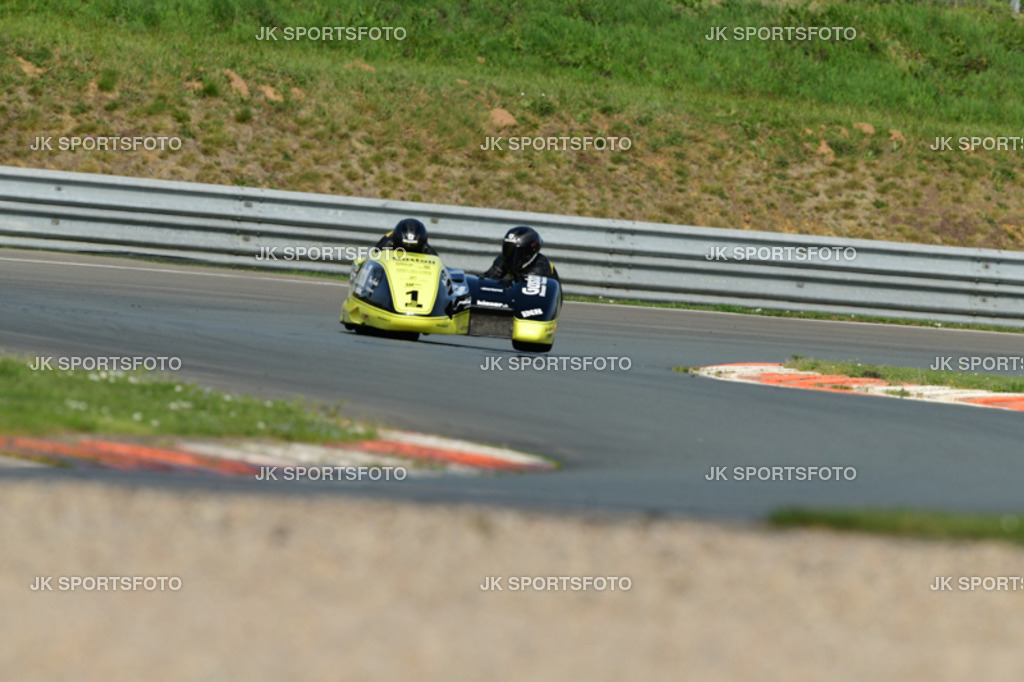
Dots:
pixel 80 212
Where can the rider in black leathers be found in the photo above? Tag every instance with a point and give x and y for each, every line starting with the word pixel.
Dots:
pixel 409 234
pixel 520 256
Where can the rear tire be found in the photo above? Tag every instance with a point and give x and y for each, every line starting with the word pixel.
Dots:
pixel 528 347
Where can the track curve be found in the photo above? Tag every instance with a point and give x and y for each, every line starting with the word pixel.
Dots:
pixel 637 440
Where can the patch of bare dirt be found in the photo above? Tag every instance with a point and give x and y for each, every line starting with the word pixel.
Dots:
pixel 237 83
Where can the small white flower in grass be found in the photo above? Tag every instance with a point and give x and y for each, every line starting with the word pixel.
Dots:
pixel 268 403
pixel 177 389
pixel 227 397
pixel 133 380
pixel 93 376
pixel 76 404
pixel 154 422
pixel 261 425
pixel 137 416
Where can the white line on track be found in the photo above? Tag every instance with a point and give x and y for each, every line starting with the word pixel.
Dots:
pixel 748 316
pixel 190 273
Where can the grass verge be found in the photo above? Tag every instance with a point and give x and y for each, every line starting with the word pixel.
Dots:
pixel 909 375
pixel 905 523
pixel 37 403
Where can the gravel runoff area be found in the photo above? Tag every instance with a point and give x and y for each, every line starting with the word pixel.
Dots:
pixel 276 587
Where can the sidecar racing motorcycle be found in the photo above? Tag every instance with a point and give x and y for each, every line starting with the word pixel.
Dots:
pixel 408 294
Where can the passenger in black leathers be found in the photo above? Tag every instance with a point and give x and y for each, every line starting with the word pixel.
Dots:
pixel 520 256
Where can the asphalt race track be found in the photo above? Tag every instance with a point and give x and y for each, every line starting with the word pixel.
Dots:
pixel 640 440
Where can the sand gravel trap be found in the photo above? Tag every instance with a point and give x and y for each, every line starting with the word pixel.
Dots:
pixel 276 589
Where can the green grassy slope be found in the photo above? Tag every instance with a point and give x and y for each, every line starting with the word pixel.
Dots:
pixel 799 136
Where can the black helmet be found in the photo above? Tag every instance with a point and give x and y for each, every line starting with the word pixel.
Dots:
pixel 411 235
pixel 520 248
